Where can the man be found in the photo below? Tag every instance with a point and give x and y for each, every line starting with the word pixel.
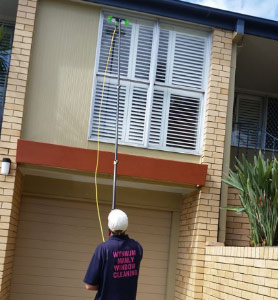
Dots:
pixel 114 268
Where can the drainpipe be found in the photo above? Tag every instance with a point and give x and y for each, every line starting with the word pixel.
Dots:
pixel 227 146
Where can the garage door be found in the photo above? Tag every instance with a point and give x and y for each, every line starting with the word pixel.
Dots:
pixel 55 242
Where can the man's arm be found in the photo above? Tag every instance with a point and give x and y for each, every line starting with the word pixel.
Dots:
pixel 93 275
pixel 91 287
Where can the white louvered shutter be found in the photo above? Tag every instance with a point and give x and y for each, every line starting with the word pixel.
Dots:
pixel 139 91
pixel 6 42
pixel 144 51
pixel 249 121
pixel 162 59
pixel 107 32
pixel 107 129
pixel 157 118
pixel 137 115
pixel 162 86
pixel 183 120
pixel 188 60
pixel 181 63
pixel 136 52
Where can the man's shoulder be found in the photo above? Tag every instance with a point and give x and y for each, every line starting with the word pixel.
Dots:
pixel 135 242
pixel 138 245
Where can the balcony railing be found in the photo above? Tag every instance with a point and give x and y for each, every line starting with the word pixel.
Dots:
pixel 249 138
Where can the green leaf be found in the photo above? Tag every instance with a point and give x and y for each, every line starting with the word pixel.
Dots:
pixel 237 209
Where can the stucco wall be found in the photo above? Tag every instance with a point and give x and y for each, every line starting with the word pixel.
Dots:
pixel 61 72
pixel 60 81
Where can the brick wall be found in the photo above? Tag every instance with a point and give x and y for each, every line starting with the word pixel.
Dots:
pixel 200 211
pixel 10 186
pixel 9 218
pixel 237 228
pixel 236 273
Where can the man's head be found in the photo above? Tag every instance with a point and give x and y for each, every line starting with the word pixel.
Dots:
pixel 117 221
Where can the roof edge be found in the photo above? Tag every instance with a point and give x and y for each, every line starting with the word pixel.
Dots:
pixel 189 12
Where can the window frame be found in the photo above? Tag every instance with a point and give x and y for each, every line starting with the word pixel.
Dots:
pixel 11 27
pixel 257 96
pixel 151 84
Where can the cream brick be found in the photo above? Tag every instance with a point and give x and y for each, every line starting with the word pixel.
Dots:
pixel 23 33
pixel 30 16
pixel 11 126
pixel 27 9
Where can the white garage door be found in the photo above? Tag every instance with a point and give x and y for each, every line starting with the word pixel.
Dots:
pixel 55 242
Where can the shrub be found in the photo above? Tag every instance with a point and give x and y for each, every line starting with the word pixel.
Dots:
pixel 257 184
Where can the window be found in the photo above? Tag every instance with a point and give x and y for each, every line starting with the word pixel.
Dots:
pixel 162 86
pixel 5 56
pixel 255 122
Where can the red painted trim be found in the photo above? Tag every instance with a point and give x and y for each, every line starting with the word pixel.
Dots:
pixel 29 152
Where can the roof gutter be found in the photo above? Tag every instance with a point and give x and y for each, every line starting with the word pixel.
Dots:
pixel 194 13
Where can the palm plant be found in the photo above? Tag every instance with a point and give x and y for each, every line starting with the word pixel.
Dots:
pixel 4 51
pixel 257 184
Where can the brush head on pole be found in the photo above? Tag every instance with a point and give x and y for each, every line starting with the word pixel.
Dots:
pixel 115 20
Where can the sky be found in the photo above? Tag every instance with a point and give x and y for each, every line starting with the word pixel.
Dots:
pixel 267 9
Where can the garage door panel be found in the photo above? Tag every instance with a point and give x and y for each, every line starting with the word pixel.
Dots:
pixel 144 296
pixel 68 205
pixel 55 236
pixel 82 256
pixel 58 245
pixel 48 263
pixel 55 219
pixel 88 214
pixel 59 229
pixel 71 282
pixel 60 212
pixel 45 297
pixel 156 280
pixel 56 240
pixel 49 272
pixel 147 273
pixel 71 265
pixel 150 250
pixel 51 290
pixel 65 257
pixel 28 224
pixel 152 289
pixel 132 211
pixel 43 235
pixel 87 222
pixel 46 230
pixel 51 281
pixel 54 254
pixel 30 201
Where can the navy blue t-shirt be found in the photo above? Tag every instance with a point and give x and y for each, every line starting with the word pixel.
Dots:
pixel 115 268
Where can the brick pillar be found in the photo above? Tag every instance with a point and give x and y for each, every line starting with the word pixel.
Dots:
pixel 10 186
pixel 200 211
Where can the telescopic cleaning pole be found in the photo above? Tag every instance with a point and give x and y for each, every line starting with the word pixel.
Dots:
pixel 118 22
pixel 117 116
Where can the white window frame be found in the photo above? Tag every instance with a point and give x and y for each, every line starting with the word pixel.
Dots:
pixel 151 84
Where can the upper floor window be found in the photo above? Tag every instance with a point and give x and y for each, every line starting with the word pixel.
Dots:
pixel 5 55
pixel 163 80
pixel 255 122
